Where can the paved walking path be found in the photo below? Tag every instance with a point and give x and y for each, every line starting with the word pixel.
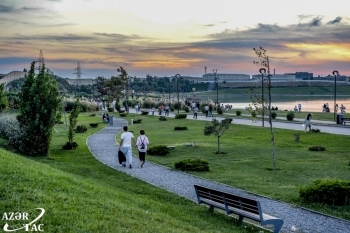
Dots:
pixel 103 146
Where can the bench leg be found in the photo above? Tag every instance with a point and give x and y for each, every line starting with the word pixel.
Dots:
pixel 240 218
pixel 211 209
pixel 278 223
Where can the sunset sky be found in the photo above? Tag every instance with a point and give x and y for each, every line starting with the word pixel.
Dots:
pixel 166 37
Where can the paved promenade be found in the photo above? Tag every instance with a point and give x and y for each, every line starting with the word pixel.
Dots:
pixel 104 148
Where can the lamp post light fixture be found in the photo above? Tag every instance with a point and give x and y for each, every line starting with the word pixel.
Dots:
pixel 177 76
pixel 335 73
pixel 262 72
pixel 217 86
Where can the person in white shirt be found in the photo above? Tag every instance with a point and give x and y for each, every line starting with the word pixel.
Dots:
pixel 125 145
pixel 206 109
pixel 142 142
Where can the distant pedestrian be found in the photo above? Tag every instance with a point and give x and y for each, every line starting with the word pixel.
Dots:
pixel 167 109
pixel 195 112
pixel 299 107
pixel 152 111
pixel 308 121
pixel 206 109
pixel 295 108
pixel 210 110
pixel 142 142
pixel 125 145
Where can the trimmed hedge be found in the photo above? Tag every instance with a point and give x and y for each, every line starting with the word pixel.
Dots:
pixel 329 192
pixel 290 116
pixel 81 129
pixel 317 148
pixel 160 150
pixel 138 121
pixel 144 112
pixel 238 113
pixel 162 118
pixel 180 128
pixel 273 115
pixel 94 125
pixel 180 116
pixel 197 165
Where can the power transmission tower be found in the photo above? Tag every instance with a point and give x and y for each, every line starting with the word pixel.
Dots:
pixel 40 62
pixel 78 73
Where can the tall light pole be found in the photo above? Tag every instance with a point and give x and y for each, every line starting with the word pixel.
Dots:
pixel 262 72
pixel 93 90
pixel 217 86
pixel 177 76
pixel 169 88
pixel 335 73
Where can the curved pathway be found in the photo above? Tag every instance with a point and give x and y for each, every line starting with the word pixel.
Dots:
pixel 103 146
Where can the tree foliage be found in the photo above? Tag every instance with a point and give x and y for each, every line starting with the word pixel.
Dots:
pixel 217 128
pixel 39 103
pixel 3 98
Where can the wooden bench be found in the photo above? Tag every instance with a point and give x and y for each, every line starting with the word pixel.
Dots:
pixel 233 204
pixel 345 120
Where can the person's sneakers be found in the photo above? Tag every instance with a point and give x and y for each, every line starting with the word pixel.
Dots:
pixel 143 165
pixel 123 164
pixel 130 166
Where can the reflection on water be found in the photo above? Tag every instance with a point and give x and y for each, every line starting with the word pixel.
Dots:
pixel 309 106
pixel 310 103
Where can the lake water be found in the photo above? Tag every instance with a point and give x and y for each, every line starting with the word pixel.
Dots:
pixel 311 103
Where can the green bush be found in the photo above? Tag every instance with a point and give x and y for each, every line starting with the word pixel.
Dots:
pixel 160 150
pixel 162 118
pixel 238 113
pixel 315 130
pixel 273 115
pixel 180 128
pixel 94 125
pixel 122 114
pixel 144 112
pixel 81 129
pixel 197 165
pixel 317 148
pixel 220 111
pixel 70 146
pixel 186 109
pixel 290 116
pixel 180 116
pixel 110 109
pixel 138 121
pixel 329 192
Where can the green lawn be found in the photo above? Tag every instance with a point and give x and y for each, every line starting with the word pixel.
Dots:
pixel 81 194
pixel 247 163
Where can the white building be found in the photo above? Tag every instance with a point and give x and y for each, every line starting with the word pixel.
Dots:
pixel 210 77
pixel 276 77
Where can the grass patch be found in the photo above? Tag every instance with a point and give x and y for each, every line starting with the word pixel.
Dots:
pixel 81 194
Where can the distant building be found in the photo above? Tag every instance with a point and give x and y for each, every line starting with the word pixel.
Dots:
pixel 210 77
pixel 302 75
pixel 81 81
pixel 13 75
pixel 277 77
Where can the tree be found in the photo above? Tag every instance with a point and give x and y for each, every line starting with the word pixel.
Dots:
pixel 39 102
pixel 3 98
pixel 264 62
pixel 217 128
pixel 73 124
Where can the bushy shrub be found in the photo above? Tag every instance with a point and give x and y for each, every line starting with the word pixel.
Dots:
pixel 122 114
pixel 329 192
pixel 144 112
pixel 229 119
pixel 220 111
pixel 197 165
pixel 70 146
pixel 180 128
pixel 94 125
pixel 81 129
pixel 317 148
pixel 186 109
pixel 162 118
pixel 138 121
pixel 117 106
pixel 180 116
pixel 315 130
pixel 290 116
pixel 160 150
pixel 172 108
pixel 10 130
pixel 273 115
pixel 110 109
pixel 238 113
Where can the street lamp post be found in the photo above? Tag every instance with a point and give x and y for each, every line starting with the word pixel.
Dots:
pixel 93 90
pixel 177 76
pixel 262 72
pixel 169 88
pixel 335 73
pixel 217 86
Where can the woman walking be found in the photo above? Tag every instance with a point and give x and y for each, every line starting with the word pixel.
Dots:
pixel 142 142
pixel 308 121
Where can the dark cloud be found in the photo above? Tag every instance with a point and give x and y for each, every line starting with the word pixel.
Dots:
pixel 316 21
pixel 336 20
pixel 121 36
pixel 6 9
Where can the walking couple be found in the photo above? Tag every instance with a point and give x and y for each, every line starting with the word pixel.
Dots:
pixel 140 144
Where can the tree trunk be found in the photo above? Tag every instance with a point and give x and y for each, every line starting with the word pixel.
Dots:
pixel 218 144
pixel 271 129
